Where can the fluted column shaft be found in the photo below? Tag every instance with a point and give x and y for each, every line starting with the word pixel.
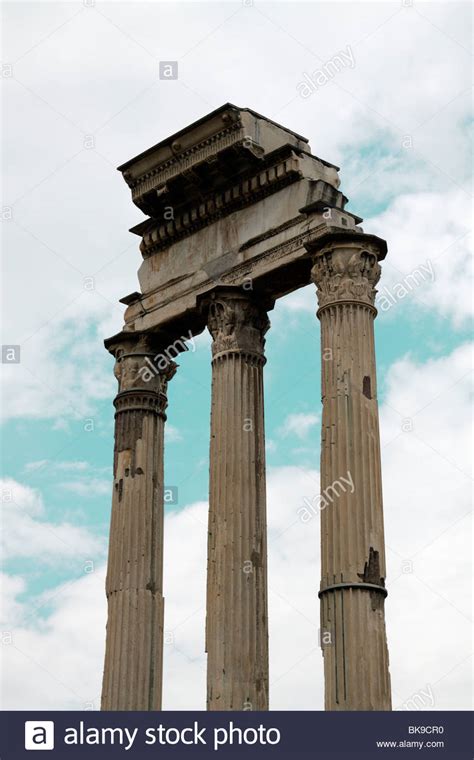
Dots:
pixel 353 572
pixel 134 586
pixel 237 617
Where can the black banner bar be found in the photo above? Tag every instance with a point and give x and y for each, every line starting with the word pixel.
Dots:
pixel 176 735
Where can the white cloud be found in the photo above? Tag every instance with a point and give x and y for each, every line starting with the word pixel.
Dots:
pixel 43 464
pixel 427 405
pixel 88 487
pixel 87 480
pixel 299 424
pixel 427 497
pixel 11 588
pixel 27 533
pixel 38 464
pixel 62 372
pixel 55 662
pixel 172 434
pixel 430 227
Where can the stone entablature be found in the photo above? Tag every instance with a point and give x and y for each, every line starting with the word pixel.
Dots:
pixel 159 233
pixel 220 213
pixel 213 145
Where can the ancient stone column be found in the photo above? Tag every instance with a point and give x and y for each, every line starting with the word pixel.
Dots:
pixel 352 592
pixel 237 619
pixel 134 645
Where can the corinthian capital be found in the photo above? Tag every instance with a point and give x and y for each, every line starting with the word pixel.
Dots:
pixel 347 270
pixel 236 322
pixel 142 363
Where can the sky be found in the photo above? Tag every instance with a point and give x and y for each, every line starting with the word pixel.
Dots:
pixel 81 94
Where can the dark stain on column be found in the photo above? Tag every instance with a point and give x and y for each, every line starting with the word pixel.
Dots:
pixel 128 430
pixel 371 574
pixel 256 559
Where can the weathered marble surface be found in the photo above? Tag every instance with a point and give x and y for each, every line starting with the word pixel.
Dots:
pixel 240 213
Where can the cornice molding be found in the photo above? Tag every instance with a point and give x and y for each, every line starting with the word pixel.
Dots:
pixel 183 161
pixel 244 193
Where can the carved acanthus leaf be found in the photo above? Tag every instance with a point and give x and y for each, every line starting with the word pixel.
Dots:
pixel 141 365
pixel 346 273
pixel 237 324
